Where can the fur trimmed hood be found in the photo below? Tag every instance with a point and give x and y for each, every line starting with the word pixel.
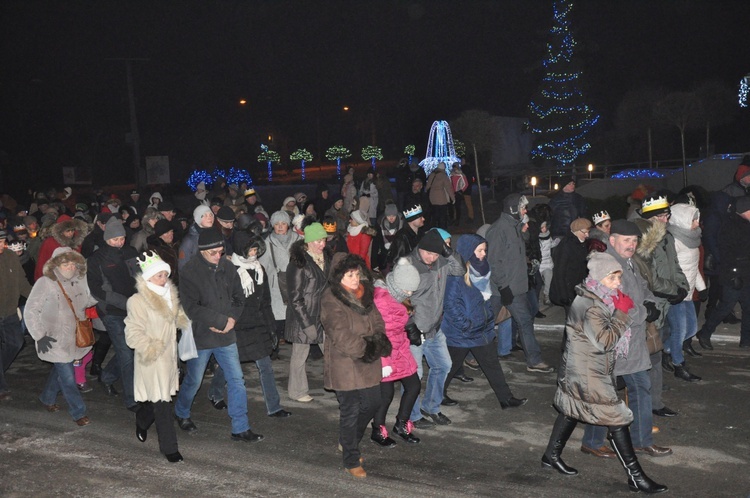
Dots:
pixel 653 233
pixel 158 304
pixel 70 255
pixel 80 226
pixel 341 265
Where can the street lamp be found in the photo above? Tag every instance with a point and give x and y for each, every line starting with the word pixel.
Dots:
pixel 591 168
pixel 533 186
pixel 557 187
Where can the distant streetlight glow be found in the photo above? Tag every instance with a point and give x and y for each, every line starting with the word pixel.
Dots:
pixel 533 186
pixel 346 108
pixel 591 168
pixel 243 101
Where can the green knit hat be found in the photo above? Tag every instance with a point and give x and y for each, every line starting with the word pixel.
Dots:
pixel 314 231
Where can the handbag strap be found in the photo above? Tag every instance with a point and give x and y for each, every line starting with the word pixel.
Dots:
pixel 273 258
pixel 70 303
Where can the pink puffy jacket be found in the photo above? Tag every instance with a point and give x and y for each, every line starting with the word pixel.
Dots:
pixel 395 316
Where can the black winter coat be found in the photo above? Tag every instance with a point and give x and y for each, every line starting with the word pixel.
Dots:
pixel 570 269
pixel 110 278
pixel 734 240
pixel 256 324
pixel 566 207
pixel 305 285
pixel 403 243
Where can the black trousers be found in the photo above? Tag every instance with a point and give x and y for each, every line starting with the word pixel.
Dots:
pixel 101 347
pixel 356 409
pixel 486 356
pixel 412 386
pixel 162 413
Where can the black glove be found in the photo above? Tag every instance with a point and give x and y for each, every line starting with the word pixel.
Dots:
pixel 703 295
pixel 506 296
pixel 377 345
pixel 44 344
pixel 447 250
pixel 652 314
pixel 414 334
pixel 681 295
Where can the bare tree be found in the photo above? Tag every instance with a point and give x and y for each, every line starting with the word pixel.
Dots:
pixel 683 110
pixel 718 105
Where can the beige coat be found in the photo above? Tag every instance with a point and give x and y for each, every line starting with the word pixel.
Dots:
pixel 440 188
pixel 585 381
pixel 151 330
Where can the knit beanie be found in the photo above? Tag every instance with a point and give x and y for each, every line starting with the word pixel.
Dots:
pixel 162 227
pixel 432 242
pixel 314 231
pixel 580 224
pixel 602 264
pixel 113 229
pixel 225 213
pixel 443 233
pixel 210 239
pixel 279 217
pixel 199 212
pixel 402 279
pixel 391 209
pixel 151 264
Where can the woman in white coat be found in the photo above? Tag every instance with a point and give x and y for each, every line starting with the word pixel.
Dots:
pixel 52 324
pixel 154 315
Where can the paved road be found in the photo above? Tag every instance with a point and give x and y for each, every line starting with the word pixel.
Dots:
pixel 485 452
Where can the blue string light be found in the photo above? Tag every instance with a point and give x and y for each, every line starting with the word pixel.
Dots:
pixel 440 148
pixel 627 174
pixel 744 88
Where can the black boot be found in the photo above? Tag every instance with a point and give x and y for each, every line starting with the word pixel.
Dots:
pixel 561 431
pixel 687 347
pixel 380 436
pixel 95 370
pixel 681 372
pixel 637 479
pixel 404 429
pixel 666 362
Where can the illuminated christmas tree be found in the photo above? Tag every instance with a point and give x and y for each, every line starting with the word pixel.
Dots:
pixel 559 118
pixel 303 156
pixel 337 153
pixel 372 154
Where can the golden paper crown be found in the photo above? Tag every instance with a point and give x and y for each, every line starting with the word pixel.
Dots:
pixel 653 204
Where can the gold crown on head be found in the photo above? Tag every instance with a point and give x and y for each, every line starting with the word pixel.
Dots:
pixel 601 216
pixel 654 203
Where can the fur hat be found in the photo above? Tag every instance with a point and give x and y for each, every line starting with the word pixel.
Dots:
pixel 314 231
pixel 602 264
pixel 580 224
pixel 150 264
pixel 432 242
pixel 280 217
pixel 300 197
pixel 513 203
pixel 113 228
pixel 210 239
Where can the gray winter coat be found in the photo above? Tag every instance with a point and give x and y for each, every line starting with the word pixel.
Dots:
pixel 281 256
pixel 506 253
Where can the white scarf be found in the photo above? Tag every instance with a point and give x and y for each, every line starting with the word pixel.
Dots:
pixel 354 231
pixel 245 264
pixel 165 292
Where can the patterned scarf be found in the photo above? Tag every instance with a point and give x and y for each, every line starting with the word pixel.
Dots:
pixel 606 294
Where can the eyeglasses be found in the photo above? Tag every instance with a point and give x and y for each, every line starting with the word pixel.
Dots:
pixel 215 252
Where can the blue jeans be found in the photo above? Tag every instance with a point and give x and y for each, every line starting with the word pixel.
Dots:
pixel 504 337
pixel 521 311
pixel 121 366
pixel 229 361
pixel 683 324
pixel 62 378
pixel 11 342
pixel 729 297
pixel 639 402
pixel 267 385
pixel 439 361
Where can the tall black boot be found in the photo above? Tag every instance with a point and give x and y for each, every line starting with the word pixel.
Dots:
pixel 561 432
pixel 637 479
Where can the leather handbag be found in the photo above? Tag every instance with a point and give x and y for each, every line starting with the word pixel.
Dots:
pixel 653 339
pixel 502 315
pixel 84 329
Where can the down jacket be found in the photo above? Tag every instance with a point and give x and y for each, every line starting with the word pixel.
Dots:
pixel 468 320
pixel 347 322
pixel 395 317
pixel 256 324
pixel 47 312
pixel 305 284
pixel 585 381
pixel 151 330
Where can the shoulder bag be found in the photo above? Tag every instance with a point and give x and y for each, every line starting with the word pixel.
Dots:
pixel 84 329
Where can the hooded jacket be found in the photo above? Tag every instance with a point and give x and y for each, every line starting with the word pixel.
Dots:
pixel 468 320
pixel 57 239
pixel 13 283
pixel 110 278
pixel 688 257
pixel 585 380
pixel 305 285
pixel 151 330
pixel 506 250
pixel 395 316
pixel 47 312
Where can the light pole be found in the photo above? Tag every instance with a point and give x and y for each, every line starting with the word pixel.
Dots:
pixel 591 169
pixel 533 186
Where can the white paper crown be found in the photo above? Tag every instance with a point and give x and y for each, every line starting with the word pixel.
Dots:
pixel 17 246
pixel 654 204
pixel 416 210
pixel 601 216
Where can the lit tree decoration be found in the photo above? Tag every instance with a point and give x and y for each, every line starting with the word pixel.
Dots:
pixel 372 153
pixel 219 173
pixel 744 88
pixel 197 176
pixel 270 157
pixel 409 151
pixel 301 155
pixel 559 117
pixel 337 153
pixel 440 148
pixel 460 148
pixel 238 176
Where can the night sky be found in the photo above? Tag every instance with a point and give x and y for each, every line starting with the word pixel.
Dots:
pixel 397 64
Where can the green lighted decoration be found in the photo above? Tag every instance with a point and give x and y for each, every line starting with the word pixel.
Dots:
pixel 337 153
pixel 301 155
pixel 409 151
pixel 268 156
pixel 372 153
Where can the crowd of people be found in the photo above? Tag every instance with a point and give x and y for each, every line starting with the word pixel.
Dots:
pixel 374 283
